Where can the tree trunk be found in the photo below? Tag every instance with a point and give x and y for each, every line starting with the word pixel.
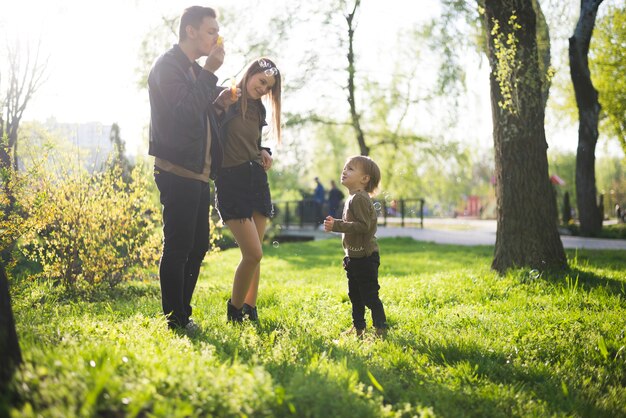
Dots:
pixel 9 347
pixel 356 118
pixel 5 159
pixel 588 114
pixel 527 234
pixel 6 171
pixel 543 46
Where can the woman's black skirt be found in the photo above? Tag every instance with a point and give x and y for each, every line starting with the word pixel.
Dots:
pixel 242 190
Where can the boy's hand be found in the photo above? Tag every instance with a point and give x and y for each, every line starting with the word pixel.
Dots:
pixel 328 223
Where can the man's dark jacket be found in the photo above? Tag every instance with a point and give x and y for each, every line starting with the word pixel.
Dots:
pixel 179 108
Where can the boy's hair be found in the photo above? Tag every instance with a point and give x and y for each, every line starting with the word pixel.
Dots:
pixel 193 16
pixel 370 168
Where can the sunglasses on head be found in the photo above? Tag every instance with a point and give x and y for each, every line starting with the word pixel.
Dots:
pixel 268 69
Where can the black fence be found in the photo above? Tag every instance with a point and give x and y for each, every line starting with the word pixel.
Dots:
pixel 308 212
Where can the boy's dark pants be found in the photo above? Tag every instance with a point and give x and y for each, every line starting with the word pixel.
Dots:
pixel 363 289
pixel 186 241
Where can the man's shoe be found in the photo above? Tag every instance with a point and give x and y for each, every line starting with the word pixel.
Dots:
pixel 381 333
pixel 191 328
pixel 355 331
pixel 250 312
pixel 233 314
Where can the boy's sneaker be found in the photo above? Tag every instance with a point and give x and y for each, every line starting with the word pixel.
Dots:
pixel 355 331
pixel 233 314
pixel 250 312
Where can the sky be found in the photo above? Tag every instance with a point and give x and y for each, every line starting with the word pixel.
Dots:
pixel 93 50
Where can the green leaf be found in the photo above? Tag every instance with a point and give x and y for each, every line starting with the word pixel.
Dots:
pixel 375 382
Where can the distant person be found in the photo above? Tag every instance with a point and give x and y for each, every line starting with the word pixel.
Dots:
pixel 393 208
pixel 335 196
pixel 360 176
pixel 183 140
pixel 319 196
pixel 242 193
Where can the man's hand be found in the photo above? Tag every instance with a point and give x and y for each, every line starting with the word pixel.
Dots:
pixel 328 223
pixel 215 59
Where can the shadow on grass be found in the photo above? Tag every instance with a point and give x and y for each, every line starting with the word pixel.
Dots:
pixel 316 390
pixel 405 380
pixel 305 255
pixel 472 365
pixel 576 278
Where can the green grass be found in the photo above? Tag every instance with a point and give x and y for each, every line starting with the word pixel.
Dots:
pixel 463 342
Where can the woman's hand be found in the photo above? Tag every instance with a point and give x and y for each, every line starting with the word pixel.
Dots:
pixel 266 159
pixel 225 98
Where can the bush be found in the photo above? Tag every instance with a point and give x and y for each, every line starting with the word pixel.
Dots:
pixel 91 228
pixel 616 231
pixel 80 229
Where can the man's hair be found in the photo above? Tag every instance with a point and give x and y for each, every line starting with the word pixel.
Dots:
pixel 370 168
pixel 193 16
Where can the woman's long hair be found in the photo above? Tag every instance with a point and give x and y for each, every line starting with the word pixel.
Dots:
pixel 273 96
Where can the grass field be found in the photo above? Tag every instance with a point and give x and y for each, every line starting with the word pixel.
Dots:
pixel 463 342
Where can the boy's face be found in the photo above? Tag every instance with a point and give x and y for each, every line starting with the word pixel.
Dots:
pixel 353 177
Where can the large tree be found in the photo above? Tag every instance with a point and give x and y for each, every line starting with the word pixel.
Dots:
pixel 527 232
pixel 608 66
pixel 589 213
pixel 24 75
pixel 9 347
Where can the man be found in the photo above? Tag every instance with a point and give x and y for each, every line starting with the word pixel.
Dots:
pixel 319 196
pixel 184 142
pixel 335 196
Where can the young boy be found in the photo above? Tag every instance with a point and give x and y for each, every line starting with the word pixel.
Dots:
pixel 360 176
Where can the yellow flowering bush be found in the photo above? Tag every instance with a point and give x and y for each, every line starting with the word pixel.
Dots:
pixel 81 228
pixel 92 228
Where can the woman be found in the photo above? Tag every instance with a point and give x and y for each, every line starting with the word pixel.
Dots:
pixel 242 192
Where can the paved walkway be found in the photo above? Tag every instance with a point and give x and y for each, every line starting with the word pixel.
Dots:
pixel 465 232
pixel 483 232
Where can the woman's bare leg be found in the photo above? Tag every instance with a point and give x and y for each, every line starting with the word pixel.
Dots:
pixel 260 222
pixel 247 237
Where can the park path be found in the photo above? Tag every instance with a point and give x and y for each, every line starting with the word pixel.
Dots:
pixel 462 231
pixel 459 231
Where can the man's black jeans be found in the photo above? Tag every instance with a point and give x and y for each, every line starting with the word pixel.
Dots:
pixel 363 290
pixel 186 241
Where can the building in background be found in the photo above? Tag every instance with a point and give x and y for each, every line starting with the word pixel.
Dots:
pixel 91 138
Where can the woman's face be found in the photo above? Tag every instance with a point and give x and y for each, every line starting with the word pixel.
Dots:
pixel 259 85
